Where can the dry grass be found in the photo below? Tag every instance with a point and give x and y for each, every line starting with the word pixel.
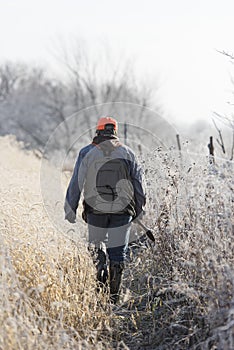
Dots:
pixel 48 293
pixel 183 289
pixel 179 294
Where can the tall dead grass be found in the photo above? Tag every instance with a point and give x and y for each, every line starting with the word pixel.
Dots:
pixel 48 292
pixel 178 294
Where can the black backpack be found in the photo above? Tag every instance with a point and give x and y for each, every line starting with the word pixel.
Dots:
pixel 108 187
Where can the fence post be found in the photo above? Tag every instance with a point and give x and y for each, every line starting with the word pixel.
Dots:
pixel 179 148
pixel 178 142
pixel 211 150
pixel 125 133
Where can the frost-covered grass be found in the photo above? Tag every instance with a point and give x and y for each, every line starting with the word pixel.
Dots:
pixel 178 294
pixel 183 288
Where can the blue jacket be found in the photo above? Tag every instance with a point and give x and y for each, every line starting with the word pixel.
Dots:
pixel 85 158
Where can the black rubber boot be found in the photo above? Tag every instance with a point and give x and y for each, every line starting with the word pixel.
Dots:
pixel 102 273
pixel 99 260
pixel 116 271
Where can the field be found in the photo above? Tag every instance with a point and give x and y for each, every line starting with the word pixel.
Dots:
pixel 177 294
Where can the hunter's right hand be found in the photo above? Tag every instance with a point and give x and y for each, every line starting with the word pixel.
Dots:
pixel 139 214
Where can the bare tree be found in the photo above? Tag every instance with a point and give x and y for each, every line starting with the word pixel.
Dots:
pixel 106 84
pixel 10 76
pixel 226 120
pixel 36 104
pixel 21 110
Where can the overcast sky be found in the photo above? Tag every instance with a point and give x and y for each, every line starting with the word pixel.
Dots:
pixel 173 41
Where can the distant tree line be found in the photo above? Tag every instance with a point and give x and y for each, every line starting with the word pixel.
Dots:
pixel 33 103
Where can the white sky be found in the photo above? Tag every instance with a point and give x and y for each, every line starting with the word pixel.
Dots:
pixel 174 42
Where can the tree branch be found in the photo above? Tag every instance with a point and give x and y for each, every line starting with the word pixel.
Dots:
pixel 220 140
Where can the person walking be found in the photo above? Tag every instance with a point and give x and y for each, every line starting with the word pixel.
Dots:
pixel 113 196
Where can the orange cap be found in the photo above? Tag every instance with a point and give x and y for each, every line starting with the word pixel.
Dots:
pixel 106 120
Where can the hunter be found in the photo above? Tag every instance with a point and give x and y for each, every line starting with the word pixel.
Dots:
pixel 111 180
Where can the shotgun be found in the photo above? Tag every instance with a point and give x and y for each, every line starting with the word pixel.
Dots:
pixel 148 232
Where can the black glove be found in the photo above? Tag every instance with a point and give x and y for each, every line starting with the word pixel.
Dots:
pixel 71 217
pixel 139 213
